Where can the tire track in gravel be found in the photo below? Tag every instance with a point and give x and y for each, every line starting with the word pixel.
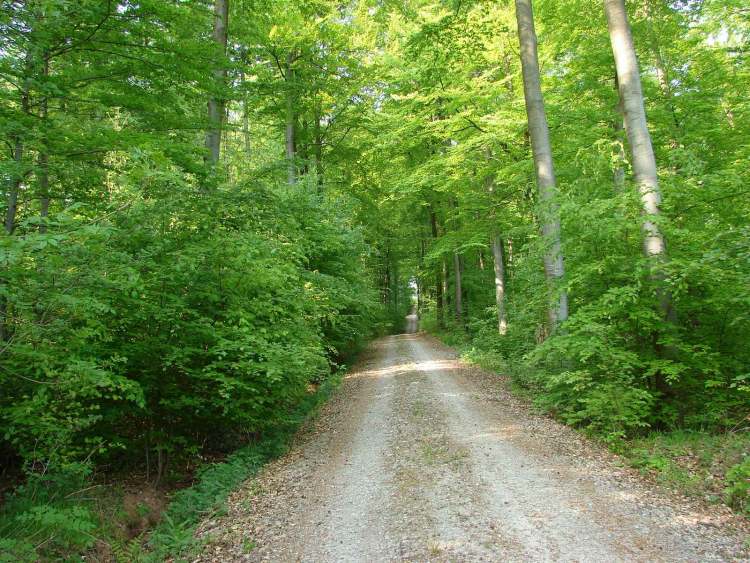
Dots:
pixel 420 457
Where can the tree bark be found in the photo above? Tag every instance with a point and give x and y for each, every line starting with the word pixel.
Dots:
pixel 439 277
pixel 542 150
pixel 639 138
pixel 216 104
pixel 291 118
pixel 43 160
pixel 318 147
pixel 245 119
pixel 497 254
pixel 457 301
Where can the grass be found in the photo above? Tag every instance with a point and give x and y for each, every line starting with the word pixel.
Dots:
pixel 715 467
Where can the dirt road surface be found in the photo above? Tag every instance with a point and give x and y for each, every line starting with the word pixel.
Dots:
pixel 420 457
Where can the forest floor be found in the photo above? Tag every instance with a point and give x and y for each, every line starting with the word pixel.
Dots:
pixel 421 457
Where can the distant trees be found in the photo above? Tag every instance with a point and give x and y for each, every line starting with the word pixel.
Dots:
pixel 648 341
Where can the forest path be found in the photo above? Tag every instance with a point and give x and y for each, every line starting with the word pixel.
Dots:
pixel 420 457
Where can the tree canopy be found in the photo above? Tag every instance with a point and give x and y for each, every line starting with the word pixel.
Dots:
pixel 201 225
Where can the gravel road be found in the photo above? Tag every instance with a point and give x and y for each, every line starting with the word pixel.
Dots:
pixel 420 457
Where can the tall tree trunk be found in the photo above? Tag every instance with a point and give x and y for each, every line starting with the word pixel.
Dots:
pixel 545 173
pixel 318 146
pixel 43 160
pixel 395 287
pixel 420 285
pixel 497 254
pixel 457 301
pixel 16 178
pixel 446 275
pixel 639 138
pixel 245 119
pixel 216 104
pixel 439 277
pixel 291 122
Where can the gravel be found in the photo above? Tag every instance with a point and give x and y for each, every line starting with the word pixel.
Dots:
pixel 420 457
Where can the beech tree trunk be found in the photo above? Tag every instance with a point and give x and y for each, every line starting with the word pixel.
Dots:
pixel 639 139
pixel 444 281
pixel 439 277
pixel 245 119
pixel 291 119
pixel 216 104
pixel 318 147
pixel 43 160
pixel 457 300
pixel 542 150
pixel 497 254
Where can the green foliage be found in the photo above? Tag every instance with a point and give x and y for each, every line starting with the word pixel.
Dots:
pixel 156 309
pixel 42 516
pixel 738 486
pixel 712 466
pixel 174 536
pixel 454 121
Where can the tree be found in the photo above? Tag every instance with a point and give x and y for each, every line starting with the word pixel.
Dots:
pixel 542 150
pixel 639 139
pixel 216 103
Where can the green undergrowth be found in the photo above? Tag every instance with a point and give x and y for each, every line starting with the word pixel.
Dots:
pixel 174 536
pixel 74 514
pixel 713 466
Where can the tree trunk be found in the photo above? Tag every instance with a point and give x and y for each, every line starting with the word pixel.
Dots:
pixel 318 147
pixel 43 160
pixel 497 254
pixel 18 151
pixel 439 277
pixel 216 104
pixel 446 295
pixel 420 285
pixel 15 186
pixel 545 173
pixel 457 301
pixel 291 118
pixel 245 119
pixel 639 138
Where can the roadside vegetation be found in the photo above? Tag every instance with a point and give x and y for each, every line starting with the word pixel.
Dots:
pixel 209 206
